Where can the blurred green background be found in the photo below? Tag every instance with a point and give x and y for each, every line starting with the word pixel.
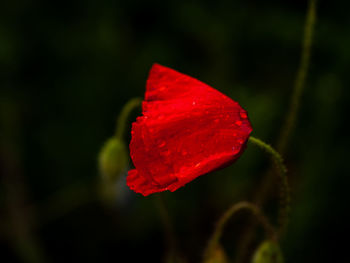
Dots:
pixel 68 67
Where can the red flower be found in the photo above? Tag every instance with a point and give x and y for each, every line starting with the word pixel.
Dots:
pixel 187 129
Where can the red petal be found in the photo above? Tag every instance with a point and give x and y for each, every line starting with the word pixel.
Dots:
pixel 187 129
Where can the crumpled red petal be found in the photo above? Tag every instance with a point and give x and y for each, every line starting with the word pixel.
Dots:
pixel 187 129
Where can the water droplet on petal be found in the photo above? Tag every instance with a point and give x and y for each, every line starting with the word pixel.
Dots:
pixel 162 144
pixel 238 123
pixel 198 164
pixel 194 103
pixel 184 152
pixel 235 150
pixel 243 114
pixel 240 141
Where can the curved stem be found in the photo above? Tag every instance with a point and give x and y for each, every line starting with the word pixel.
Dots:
pixel 234 209
pixel 282 172
pixel 299 83
pixel 123 116
pixel 267 184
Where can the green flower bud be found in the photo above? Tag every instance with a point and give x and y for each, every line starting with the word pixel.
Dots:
pixel 268 252
pixel 113 159
pixel 218 255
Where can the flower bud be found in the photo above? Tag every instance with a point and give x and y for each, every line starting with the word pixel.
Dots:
pixel 268 252
pixel 218 255
pixel 113 159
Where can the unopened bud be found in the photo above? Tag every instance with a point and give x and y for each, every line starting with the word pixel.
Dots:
pixel 113 159
pixel 268 252
pixel 217 255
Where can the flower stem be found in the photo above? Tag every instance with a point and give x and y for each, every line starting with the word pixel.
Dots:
pixel 282 142
pixel 288 126
pixel 124 115
pixel 19 221
pixel 167 225
pixel 282 172
pixel 234 209
pixel 299 83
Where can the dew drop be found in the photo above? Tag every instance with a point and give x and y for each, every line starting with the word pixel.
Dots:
pixel 198 164
pixel 238 123
pixel 194 103
pixel 240 141
pixel 243 114
pixel 184 152
pixel 235 150
pixel 162 144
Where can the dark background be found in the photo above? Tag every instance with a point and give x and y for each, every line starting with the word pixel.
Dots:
pixel 68 67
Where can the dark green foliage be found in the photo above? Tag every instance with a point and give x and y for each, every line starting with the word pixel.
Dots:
pixel 68 67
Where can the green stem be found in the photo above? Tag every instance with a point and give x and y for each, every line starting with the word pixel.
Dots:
pixel 19 220
pixel 124 115
pixel 299 83
pixel 234 209
pixel 282 172
pixel 167 225
pixel 267 184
